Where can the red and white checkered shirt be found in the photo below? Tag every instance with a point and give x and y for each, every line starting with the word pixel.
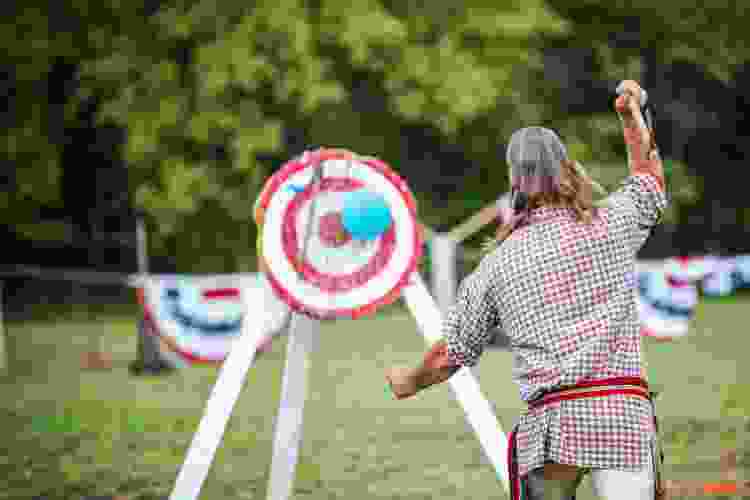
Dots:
pixel 564 293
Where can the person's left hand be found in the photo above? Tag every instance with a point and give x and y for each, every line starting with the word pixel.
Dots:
pixel 402 382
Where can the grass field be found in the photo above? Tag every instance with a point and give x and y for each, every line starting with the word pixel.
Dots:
pixel 67 433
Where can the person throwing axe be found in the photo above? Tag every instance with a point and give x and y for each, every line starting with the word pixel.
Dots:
pixel 560 283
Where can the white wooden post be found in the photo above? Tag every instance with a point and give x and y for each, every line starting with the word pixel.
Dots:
pixel 219 407
pixel 479 412
pixel 444 281
pixel 303 338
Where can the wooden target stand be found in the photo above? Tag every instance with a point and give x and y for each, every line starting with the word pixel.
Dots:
pixel 303 338
pixel 302 341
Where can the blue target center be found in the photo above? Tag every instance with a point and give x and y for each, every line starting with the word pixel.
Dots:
pixel 366 215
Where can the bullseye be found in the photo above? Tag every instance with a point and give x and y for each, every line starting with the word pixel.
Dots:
pixel 331 230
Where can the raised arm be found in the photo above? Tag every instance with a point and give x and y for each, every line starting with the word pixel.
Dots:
pixel 643 154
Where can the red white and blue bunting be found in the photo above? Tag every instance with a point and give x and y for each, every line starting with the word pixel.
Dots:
pixel 669 291
pixel 198 317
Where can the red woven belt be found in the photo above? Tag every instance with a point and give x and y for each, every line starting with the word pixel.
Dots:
pixel 633 386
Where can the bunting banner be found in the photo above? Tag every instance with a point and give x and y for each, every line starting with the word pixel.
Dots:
pixel 669 291
pixel 198 317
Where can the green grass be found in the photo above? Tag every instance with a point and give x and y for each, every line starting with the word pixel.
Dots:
pixel 68 433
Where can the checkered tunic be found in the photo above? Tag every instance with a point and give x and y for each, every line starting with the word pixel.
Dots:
pixel 564 293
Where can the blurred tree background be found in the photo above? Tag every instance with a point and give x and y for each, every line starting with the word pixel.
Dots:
pixel 183 109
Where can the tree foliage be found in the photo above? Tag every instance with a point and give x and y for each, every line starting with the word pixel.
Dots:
pixel 213 86
pixel 30 155
pixel 710 34
pixel 206 90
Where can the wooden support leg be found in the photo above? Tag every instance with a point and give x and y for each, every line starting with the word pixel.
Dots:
pixel 303 337
pixel 479 412
pixel 224 395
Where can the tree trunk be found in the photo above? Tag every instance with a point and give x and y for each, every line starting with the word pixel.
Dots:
pixel 148 357
pixel 4 367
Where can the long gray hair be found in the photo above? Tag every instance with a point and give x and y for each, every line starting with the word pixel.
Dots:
pixel 541 173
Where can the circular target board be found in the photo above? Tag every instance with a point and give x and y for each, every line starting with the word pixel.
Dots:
pixel 316 263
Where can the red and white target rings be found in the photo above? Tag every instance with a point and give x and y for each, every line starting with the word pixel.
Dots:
pixel 312 263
